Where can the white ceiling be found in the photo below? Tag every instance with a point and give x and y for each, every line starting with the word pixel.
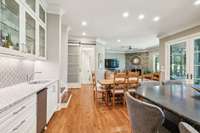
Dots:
pixel 105 21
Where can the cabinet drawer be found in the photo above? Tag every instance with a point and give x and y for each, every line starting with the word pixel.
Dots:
pixel 21 122
pixel 24 125
pixel 26 106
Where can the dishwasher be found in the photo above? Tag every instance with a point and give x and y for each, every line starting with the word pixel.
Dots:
pixel 41 110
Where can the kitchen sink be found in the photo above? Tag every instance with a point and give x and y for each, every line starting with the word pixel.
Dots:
pixel 39 82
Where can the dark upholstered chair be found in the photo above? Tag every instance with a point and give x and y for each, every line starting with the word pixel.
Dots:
pixel 186 128
pixel 144 117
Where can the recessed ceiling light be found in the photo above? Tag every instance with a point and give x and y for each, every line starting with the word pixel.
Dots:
pixel 84 23
pixel 141 16
pixel 197 2
pixel 156 19
pixel 118 40
pixel 125 14
pixel 84 34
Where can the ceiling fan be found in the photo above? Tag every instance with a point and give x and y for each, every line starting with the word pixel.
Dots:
pixel 129 48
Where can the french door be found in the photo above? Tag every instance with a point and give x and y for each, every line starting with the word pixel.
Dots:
pixel 183 60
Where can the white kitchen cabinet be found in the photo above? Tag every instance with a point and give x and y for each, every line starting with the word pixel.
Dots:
pixel 21 22
pixel 20 118
pixel 52 100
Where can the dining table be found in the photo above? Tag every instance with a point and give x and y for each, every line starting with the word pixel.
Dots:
pixel 181 100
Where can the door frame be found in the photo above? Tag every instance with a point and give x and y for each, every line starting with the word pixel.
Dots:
pixel 85 48
pixel 189 55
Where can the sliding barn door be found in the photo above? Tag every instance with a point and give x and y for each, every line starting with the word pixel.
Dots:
pixel 74 66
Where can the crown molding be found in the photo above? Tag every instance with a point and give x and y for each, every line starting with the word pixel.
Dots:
pixel 102 42
pixel 177 31
pixel 55 9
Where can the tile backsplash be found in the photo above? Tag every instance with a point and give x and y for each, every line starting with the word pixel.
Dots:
pixel 14 71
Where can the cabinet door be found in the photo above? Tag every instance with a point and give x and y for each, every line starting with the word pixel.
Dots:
pixel 52 100
pixel 9 24
pixel 42 42
pixel 30 35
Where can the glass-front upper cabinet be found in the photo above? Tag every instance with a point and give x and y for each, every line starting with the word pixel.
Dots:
pixel 31 4
pixel 42 50
pixel 42 14
pixel 9 24
pixel 30 35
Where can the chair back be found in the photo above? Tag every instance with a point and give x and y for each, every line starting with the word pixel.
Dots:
pixel 132 77
pixel 94 82
pixel 144 117
pixel 119 78
pixel 108 75
pixel 156 76
pixel 186 128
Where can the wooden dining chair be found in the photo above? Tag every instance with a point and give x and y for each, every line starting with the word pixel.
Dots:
pixel 119 87
pixel 132 81
pixel 98 89
pixel 108 75
pixel 156 76
pixel 186 128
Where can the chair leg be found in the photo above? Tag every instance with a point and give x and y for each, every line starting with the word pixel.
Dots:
pixel 113 100
pixel 94 95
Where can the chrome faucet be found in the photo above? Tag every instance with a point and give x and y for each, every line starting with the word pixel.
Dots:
pixel 31 76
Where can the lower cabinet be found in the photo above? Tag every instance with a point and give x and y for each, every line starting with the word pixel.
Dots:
pixel 20 118
pixel 52 100
pixel 31 114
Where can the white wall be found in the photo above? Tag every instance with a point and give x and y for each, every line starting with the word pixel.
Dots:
pixel 100 49
pixel 64 55
pixel 50 67
pixel 120 57
pixel 152 56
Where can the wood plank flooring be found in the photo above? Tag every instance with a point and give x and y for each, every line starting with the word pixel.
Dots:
pixel 83 115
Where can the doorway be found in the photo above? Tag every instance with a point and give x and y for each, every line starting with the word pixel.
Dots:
pixel 87 63
pixel 183 59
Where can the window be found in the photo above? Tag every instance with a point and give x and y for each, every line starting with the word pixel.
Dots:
pixel 157 64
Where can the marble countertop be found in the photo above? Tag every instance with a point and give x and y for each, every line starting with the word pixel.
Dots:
pixel 9 96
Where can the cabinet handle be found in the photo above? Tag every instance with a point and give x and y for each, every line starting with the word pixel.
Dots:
pixel 18 126
pixel 16 112
pixel 191 76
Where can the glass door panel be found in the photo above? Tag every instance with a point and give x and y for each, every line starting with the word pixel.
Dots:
pixel 9 24
pixel 30 35
pixel 31 4
pixel 42 42
pixel 42 14
pixel 196 61
pixel 178 61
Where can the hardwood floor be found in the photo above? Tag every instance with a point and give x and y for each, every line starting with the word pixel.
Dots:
pixel 85 116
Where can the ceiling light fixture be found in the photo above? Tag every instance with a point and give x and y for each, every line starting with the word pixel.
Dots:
pixel 118 40
pixel 141 16
pixel 84 34
pixel 84 23
pixel 156 19
pixel 125 14
pixel 197 2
